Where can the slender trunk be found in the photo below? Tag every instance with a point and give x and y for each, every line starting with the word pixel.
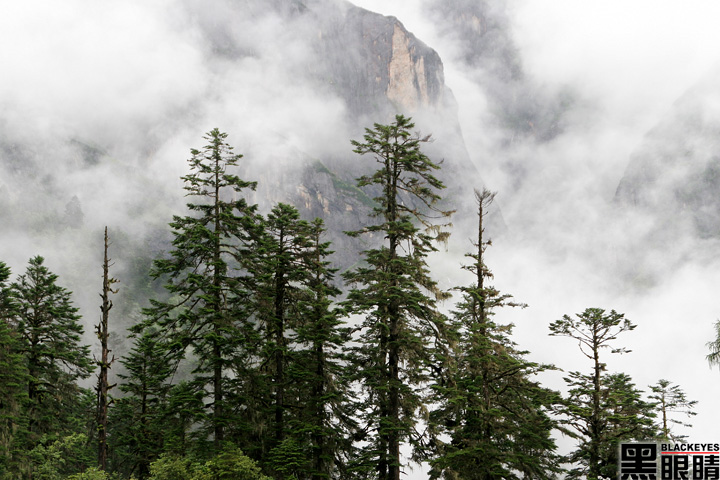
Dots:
pixel 218 418
pixel 280 343
pixel 105 362
pixel 144 462
pixel 480 269
pixel 384 410
pixel 480 300
pixel 393 441
pixel 321 468
pixel 595 427
pixel 663 405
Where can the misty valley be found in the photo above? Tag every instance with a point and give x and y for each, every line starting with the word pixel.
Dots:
pixel 429 239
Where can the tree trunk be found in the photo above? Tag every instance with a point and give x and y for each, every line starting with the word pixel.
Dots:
pixel 104 363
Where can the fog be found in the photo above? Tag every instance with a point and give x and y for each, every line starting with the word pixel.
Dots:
pixel 137 84
pixel 568 245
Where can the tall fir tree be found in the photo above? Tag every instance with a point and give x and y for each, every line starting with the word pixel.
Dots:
pixel 325 420
pixel 629 417
pixel 13 381
pixel 280 277
pixel 396 295
pixel 50 333
pixel 600 409
pixel 203 277
pixel 496 417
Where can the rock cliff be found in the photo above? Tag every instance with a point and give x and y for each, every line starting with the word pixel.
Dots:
pixel 377 68
pixel 366 65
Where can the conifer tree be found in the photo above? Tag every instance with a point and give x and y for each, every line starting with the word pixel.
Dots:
pixel 13 380
pixel 670 399
pixel 495 415
pixel 396 295
pixel 282 272
pixel 600 409
pixel 50 332
pixel 629 417
pixel 7 309
pixel 137 418
pixel 325 420
pixel 203 277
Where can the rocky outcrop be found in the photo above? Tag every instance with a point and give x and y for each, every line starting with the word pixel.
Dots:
pixel 369 63
pixel 378 68
pixel 373 62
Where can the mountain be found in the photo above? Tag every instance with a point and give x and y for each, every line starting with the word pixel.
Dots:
pixel 291 81
pixel 674 175
pixel 374 68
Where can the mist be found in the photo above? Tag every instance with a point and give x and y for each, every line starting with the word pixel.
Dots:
pixel 569 245
pixel 103 103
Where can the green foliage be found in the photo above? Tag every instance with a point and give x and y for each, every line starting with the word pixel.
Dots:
pixel 229 464
pixel 395 293
pixel 49 332
pixel 280 274
pixel 496 418
pixel 137 420
pixel 288 460
pixel 13 380
pixel 324 423
pixel 713 357
pixel 172 467
pixel 91 474
pixel 7 307
pixel 670 399
pixel 600 409
pixel 205 310
pixel 59 459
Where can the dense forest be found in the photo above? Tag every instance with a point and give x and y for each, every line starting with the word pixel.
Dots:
pixel 257 359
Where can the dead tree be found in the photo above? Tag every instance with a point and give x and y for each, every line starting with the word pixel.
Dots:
pixel 103 387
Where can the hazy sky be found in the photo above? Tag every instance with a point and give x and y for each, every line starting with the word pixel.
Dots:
pixel 137 79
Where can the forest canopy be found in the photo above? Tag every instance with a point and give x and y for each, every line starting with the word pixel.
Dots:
pixel 257 359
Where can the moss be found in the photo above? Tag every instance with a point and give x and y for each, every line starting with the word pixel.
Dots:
pixel 344 187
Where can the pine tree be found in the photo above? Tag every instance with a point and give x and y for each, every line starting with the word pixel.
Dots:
pixel 137 418
pixel 325 420
pixel 671 399
pixel 204 280
pixel 496 417
pixel 600 409
pixel 396 295
pixel 628 418
pixel 49 330
pixel 279 278
pixel 7 308
pixel 13 380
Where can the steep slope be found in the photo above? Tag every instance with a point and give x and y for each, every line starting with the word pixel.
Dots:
pixel 376 68
pixel 674 176
pixel 291 81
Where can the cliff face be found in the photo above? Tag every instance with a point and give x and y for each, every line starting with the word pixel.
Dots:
pixel 377 68
pixel 303 59
pixel 373 62
pixel 674 176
